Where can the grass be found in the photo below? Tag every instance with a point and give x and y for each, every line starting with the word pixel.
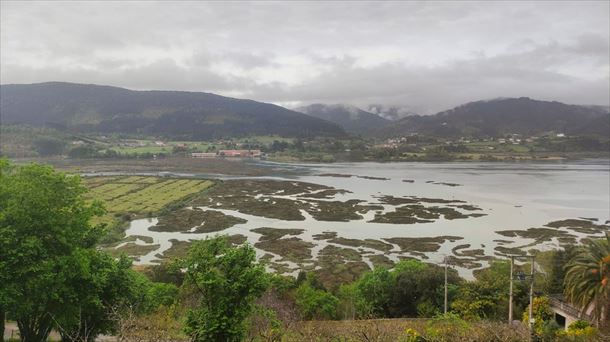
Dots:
pixel 257 197
pixel 275 233
pixel 382 330
pixel 336 266
pixel 132 249
pixel 423 244
pixel 290 249
pixel 140 195
pixel 128 197
pixel 381 261
pixel 540 235
pixel 370 243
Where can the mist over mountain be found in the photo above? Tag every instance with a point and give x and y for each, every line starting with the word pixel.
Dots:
pixel 506 116
pixel 392 113
pixel 350 118
pixel 187 115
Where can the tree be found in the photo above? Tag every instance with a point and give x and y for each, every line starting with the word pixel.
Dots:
pixel 85 151
pixel 586 279
pixel 52 276
pixel 44 221
pixel 315 303
pixel 374 291
pixel 227 281
pixel 96 284
pixel 49 146
pixel 412 288
pixel 487 296
pixel 419 289
pixel 5 299
pixel 553 283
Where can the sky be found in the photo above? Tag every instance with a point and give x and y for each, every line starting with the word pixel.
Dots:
pixel 422 57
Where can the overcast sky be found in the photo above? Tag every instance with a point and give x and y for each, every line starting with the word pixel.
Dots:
pixel 423 56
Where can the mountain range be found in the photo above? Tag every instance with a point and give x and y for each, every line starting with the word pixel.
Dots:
pixel 200 116
pixel 187 115
pixel 352 119
pixel 503 116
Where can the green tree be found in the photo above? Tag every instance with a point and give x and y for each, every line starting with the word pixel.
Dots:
pixel 487 295
pixel 44 225
pixel 315 303
pixel 49 146
pixel 374 293
pixel 5 299
pixel 419 289
pixel 85 151
pixel 226 280
pixel 559 259
pixel 586 279
pixel 98 286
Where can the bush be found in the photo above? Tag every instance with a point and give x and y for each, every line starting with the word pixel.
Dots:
pixel 448 327
pixel 578 331
pixel 542 315
pixel 578 325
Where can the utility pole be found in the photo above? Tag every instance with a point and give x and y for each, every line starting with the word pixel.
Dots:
pixel 531 312
pixel 445 311
pixel 510 293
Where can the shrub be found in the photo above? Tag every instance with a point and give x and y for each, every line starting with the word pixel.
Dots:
pixel 542 314
pixel 447 327
pixel 578 331
pixel 578 325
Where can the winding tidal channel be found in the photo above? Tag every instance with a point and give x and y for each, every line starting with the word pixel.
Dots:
pixel 506 197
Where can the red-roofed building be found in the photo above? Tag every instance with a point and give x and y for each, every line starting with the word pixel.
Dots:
pixel 240 153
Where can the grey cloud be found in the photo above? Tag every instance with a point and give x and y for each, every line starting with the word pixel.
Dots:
pixel 425 56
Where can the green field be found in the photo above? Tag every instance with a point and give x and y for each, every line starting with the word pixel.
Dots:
pixel 126 197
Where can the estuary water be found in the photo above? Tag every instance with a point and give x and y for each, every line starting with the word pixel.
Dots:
pixel 514 196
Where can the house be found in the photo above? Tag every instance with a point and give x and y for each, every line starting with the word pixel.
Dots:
pixel 240 153
pixel 203 155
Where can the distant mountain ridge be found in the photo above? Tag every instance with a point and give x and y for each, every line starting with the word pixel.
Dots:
pixel 392 113
pixel 350 118
pixel 506 116
pixel 200 116
pixel 188 115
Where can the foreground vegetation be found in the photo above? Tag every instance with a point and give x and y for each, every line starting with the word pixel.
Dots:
pixel 54 278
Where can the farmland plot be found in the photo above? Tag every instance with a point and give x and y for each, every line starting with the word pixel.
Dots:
pixel 126 197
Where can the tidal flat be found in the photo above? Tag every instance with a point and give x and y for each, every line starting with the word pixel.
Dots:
pixel 342 219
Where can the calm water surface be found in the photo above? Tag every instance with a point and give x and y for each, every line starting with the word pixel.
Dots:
pixel 513 195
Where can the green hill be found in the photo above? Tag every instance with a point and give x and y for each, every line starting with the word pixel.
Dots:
pixel 506 116
pixel 186 115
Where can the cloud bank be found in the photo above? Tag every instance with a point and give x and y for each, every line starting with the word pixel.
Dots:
pixel 424 57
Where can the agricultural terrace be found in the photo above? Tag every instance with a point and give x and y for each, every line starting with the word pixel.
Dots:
pixel 126 197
